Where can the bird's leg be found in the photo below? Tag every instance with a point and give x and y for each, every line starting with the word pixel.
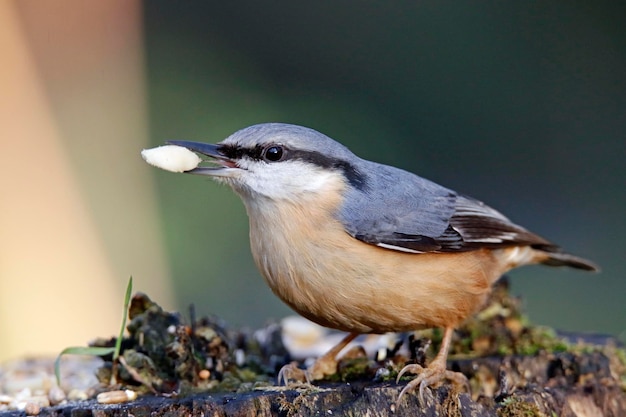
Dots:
pixel 434 373
pixel 323 366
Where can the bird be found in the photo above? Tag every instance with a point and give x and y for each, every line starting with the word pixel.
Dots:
pixel 364 247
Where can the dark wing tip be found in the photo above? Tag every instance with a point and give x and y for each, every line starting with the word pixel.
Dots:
pixel 565 259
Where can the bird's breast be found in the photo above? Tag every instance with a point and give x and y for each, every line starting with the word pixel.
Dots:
pixel 323 273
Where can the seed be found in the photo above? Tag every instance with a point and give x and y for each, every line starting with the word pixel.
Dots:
pixel 116 397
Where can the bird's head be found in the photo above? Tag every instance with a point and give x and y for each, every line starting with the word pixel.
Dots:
pixel 278 161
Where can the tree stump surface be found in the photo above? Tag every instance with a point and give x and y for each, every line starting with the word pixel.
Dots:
pixel 563 384
pixel 514 369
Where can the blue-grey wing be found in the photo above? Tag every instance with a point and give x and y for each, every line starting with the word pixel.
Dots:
pixel 397 210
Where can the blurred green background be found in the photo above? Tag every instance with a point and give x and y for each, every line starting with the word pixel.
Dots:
pixel 519 104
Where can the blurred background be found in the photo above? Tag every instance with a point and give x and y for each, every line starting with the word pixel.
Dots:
pixel 521 105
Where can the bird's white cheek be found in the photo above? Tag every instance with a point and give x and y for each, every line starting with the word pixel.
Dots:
pixel 287 181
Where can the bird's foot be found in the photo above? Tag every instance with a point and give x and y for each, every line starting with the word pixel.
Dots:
pixel 323 367
pixel 291 372
pixel 431 376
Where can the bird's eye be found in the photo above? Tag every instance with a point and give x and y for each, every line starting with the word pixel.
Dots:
pixel 273 153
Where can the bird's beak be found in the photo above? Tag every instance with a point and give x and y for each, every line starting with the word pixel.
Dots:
pixel 226 166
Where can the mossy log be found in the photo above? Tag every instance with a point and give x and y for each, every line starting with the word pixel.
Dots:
pixel 563 384
pixel 514 369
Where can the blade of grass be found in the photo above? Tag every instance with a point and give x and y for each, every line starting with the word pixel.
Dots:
pixel 99 351
pixel 79 350
pixel 118 342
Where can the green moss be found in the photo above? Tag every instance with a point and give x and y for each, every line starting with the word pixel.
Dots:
pixel 500 328
pixel 352 369
pixel 163 352
pixel 515 407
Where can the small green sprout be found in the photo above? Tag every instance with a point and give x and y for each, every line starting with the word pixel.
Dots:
pixel 98 351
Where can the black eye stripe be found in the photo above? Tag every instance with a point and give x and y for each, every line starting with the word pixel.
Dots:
pixel 258 153
pixel 352 174
pixel 236 152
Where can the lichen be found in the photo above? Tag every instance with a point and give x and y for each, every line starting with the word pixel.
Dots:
pixel 515 407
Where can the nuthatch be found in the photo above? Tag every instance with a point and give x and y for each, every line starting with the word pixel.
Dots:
pixel 367 248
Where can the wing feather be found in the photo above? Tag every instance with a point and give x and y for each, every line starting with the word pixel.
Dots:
pixel 481 226
pixel 414 215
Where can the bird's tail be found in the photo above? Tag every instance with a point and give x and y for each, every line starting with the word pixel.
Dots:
pixel 556 257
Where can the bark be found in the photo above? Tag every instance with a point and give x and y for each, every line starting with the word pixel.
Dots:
pixel 564 384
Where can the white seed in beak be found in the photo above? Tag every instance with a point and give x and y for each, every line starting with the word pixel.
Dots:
pixel 171 158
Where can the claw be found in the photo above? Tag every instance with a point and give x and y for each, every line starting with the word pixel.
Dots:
pixel 414 368
pixel 423 384
pixel 293 373
pixel 411 386
pixel 431 375
pixel 425 378
pixel 323 366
